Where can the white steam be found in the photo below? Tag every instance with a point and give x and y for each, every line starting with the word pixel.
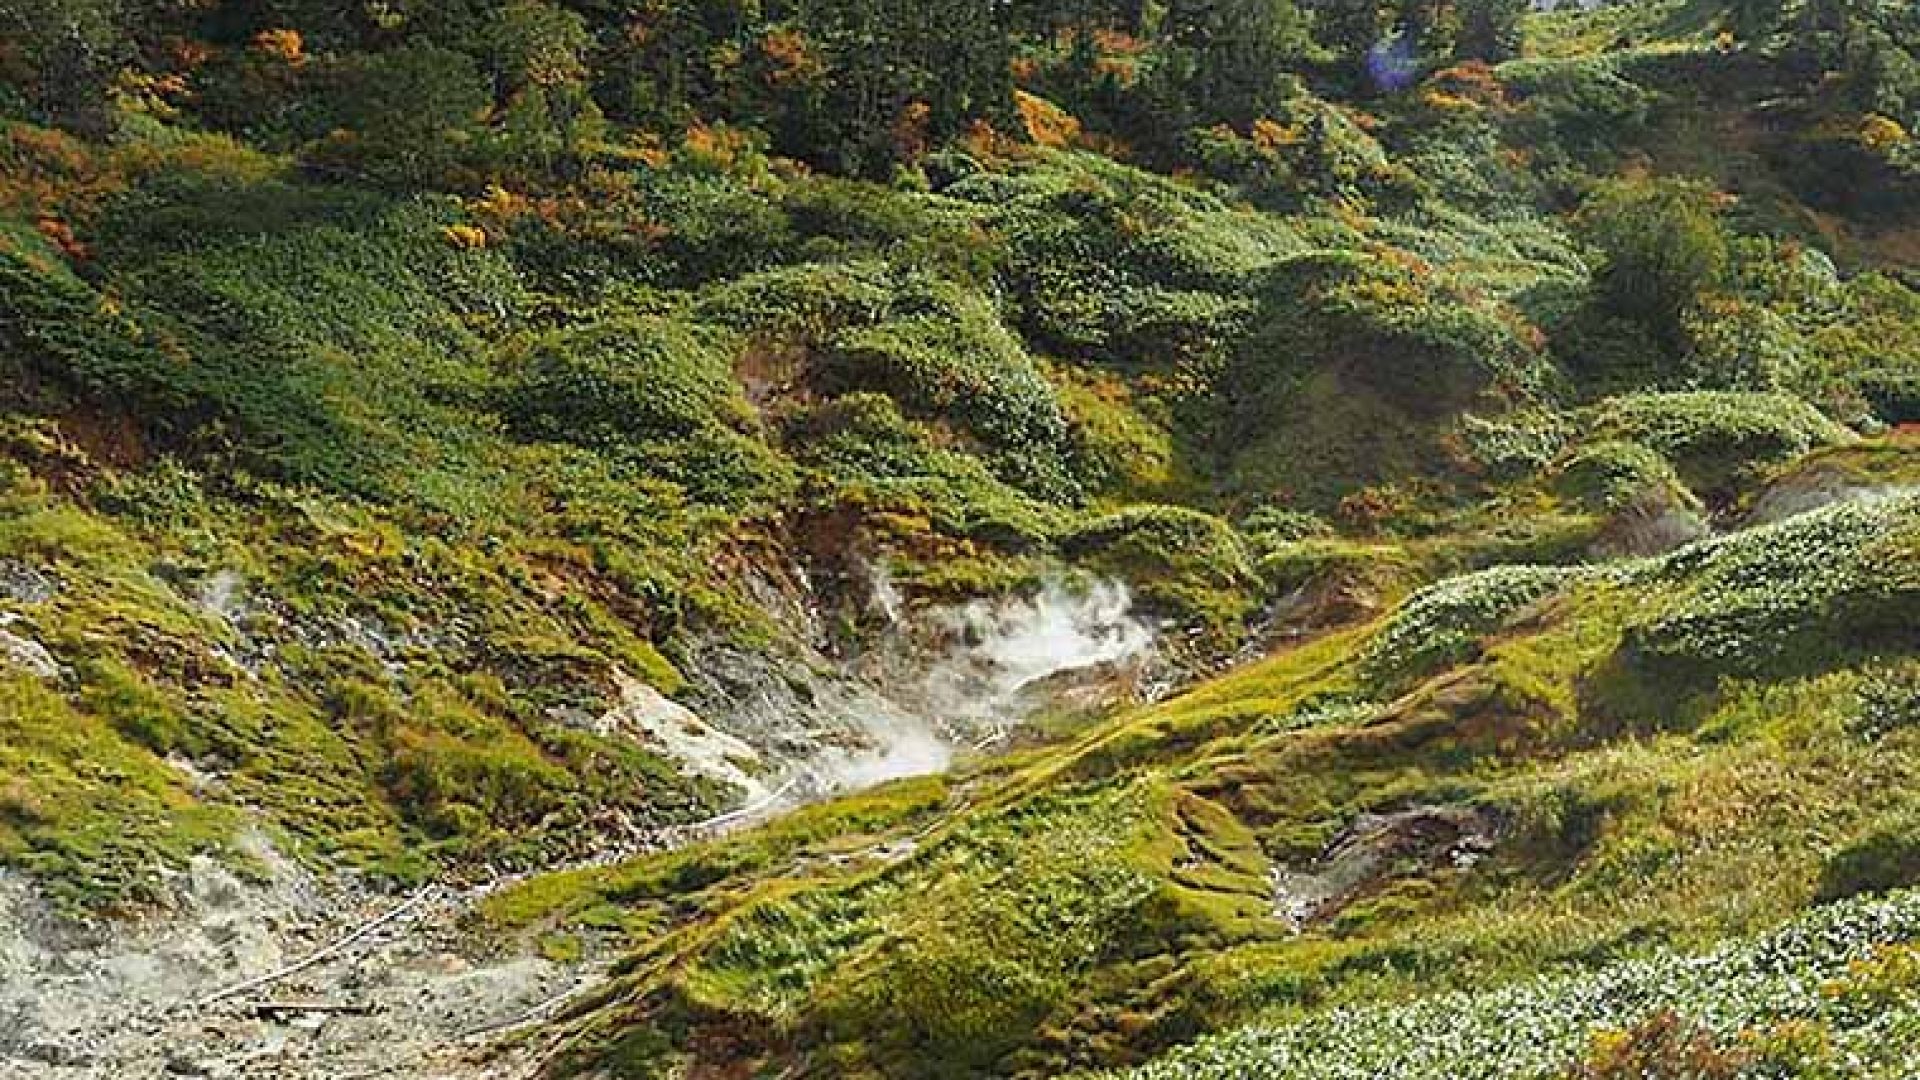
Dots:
pixel 900 746
pixel 963 677
pixel 1002 649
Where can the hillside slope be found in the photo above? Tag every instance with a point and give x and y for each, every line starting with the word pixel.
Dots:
pixel 1521 771
pixel 945 539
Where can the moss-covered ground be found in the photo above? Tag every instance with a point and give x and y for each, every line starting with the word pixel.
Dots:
pixel 1674 754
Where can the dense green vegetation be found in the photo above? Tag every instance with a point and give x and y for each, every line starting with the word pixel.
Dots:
pixel 1602 770
pixel 1825 996
pixel 1525 402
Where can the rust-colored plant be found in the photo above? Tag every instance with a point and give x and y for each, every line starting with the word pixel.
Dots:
pixel 1664 1046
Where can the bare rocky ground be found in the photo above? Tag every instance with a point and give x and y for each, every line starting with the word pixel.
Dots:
pixel 130 1000
pixel 1376 848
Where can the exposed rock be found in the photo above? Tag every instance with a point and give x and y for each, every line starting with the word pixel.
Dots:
pixel 1378 847
pixel 24 584
pixel 1653 523
pixel 1108 684
pixel 127 999
pixel 1811 489
pixel 986 664
pixel 832 728
pixel 650 717
pixel 956 678
pixel 201 780
pixel 26 654
pixel 223 594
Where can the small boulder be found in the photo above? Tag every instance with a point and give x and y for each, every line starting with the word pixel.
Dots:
pixel 25 584
pixel 25 654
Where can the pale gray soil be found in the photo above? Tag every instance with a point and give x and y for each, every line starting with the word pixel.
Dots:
pixel 127 1001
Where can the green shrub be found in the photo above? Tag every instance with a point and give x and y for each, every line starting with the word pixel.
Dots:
pixel 1742 346
pixel 937 348
pixel 1660 247
pixel 1889 701
pixel 1355 366
pixel 1542 1026
pixel 945 355
pixel 1303 149
pixel 408 116
pixel 1443 623
pixel 842 218
pixel 1871 344
pixel 334 331
pixel 1878 863
pixel 1585 105
pixel 807 303
pixel 1397 327
pixel 1121 266
pixel 1184 563
pixel 1182 335
pixel 619 381
pixel 1119 444
pixel 1490 29
pixel 1780 598
pixel 1374 570
pixel 717 227
pixel 1518 444
pixel 863 442
pixel 1715 440
pixel 53 325
pixel 92 816
pixel 1892 392
pixel 720 466
pixel 461 788
pixel 1007 914
pixel 1222 63
pixel 1272 526
pixel 1609 475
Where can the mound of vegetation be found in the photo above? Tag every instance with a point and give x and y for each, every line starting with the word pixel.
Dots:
pixel 1830 988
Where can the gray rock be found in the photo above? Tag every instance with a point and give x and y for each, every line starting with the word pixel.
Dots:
pixel 1375 848
pixel 24 584
pixel 28 655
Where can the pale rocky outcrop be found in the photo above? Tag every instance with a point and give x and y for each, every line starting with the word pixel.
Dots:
pixel 662 724
pixel 25 654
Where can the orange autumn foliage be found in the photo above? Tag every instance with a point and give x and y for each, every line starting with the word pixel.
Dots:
pixel 1110 42
pixel 790 58
pixel 1472 81
pixel 1880 133
pixel 50 174
pixel 911 133
pixel 1271 135
pixel 62 237
pixel 1047 124
pixel 465 237
pixel 186 54
pixel 286 46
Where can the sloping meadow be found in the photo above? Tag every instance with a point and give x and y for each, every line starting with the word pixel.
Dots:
pixel 1597 771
